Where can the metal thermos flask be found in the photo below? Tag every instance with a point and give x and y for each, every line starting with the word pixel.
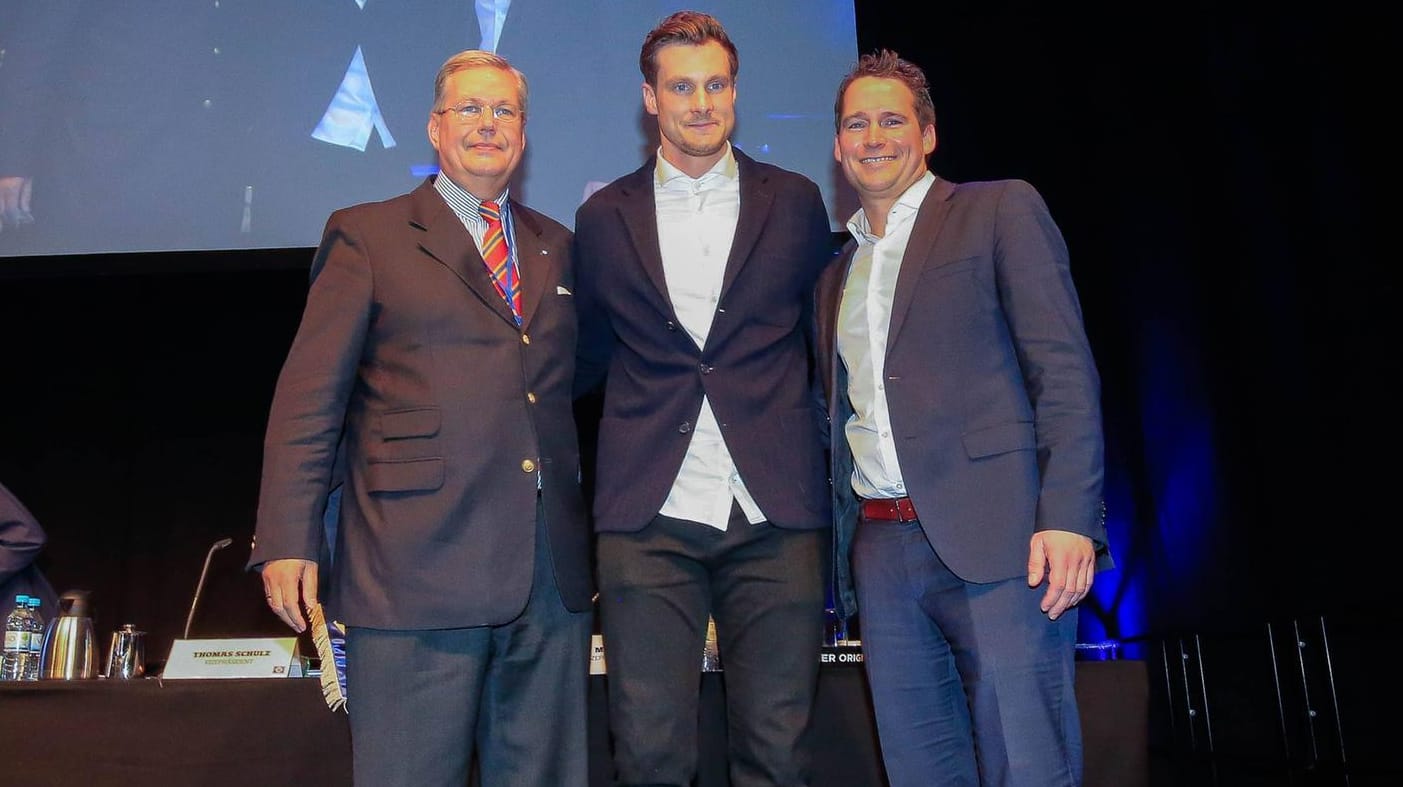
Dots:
pixel 69 650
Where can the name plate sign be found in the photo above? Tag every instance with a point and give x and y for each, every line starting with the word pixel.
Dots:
pixel 261 657
pixel 596 655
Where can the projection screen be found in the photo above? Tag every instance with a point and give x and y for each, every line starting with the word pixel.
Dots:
pixel 223 124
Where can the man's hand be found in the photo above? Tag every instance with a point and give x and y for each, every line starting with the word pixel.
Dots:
pixel 1068 561
pixel 14 201
pixel 290 587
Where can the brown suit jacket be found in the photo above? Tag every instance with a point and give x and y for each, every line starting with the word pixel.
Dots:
pixel 409 365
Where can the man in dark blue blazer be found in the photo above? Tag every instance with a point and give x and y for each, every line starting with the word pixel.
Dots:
pixel 695 277
pixel 967 451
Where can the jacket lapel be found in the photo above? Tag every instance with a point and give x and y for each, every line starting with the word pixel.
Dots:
pixel 448 241
pixel 639 213
pixel 538 269
pixel 755 201
pixel 929 220
pixel 829 296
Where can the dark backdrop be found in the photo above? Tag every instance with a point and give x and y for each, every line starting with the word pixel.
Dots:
pixel 1214 172
pixel 1217 173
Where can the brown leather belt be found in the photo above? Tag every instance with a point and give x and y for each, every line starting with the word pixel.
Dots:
pixel 895 509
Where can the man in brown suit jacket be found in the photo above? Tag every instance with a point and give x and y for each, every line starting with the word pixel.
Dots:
pixel 439 394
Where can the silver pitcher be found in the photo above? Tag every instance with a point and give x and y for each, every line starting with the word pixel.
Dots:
pixel 126 658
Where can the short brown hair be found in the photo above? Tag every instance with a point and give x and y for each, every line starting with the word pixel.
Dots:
pixel 886 64
pixel 477 58
pixel 684 27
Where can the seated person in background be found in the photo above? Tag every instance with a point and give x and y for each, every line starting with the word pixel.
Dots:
pixel 21 539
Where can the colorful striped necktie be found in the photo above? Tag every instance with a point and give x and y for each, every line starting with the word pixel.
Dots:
pixel 498 257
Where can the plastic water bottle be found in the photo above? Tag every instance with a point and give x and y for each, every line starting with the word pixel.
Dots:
pixel 16 640
pixel 36 639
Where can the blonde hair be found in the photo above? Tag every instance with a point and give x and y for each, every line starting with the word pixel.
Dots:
pixel 477 58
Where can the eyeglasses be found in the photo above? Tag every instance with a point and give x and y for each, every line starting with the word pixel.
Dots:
pixel 472 113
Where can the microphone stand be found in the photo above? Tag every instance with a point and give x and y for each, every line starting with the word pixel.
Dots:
pixel 200 586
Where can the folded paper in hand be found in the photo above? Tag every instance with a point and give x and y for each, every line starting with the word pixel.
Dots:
pixel 330 640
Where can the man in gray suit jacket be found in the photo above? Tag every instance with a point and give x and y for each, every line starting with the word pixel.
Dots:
pixel 966 451
pixel 21 541
pixel 438 392
pixel 696 277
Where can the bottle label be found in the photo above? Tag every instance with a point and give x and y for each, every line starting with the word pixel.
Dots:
pixel 12 640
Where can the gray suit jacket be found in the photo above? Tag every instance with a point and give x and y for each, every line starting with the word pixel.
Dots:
pixel 21 541
pixel 993 392
pixel 409 365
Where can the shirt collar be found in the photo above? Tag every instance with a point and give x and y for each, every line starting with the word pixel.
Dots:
pixel 906 206
pixel 667 176
pixel 463 202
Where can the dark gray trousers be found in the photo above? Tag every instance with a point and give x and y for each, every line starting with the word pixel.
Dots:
pixel 765 588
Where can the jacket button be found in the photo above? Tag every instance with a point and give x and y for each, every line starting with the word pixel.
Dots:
pixel 530 397
pixel 705 368
pixel 671 326
pixel 528 466
pixel 685 427
pixel 525 338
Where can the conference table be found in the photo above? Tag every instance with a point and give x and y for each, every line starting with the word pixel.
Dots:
pixel 272 732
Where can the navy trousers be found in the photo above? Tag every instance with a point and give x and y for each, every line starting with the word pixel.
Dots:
pixel 971 683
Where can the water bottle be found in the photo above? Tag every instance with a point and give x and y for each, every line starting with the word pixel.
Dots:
pixel 36 639
pixel 16 640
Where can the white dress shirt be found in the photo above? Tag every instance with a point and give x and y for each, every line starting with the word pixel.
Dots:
pixel 864 320
pixel 696 224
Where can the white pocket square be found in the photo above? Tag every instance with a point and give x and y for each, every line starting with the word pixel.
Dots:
pixel 559 290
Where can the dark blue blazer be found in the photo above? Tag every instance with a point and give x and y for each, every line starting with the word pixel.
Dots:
pixel 754 369
pixel 993 392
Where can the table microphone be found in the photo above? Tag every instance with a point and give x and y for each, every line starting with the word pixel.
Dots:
pixel 199 586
